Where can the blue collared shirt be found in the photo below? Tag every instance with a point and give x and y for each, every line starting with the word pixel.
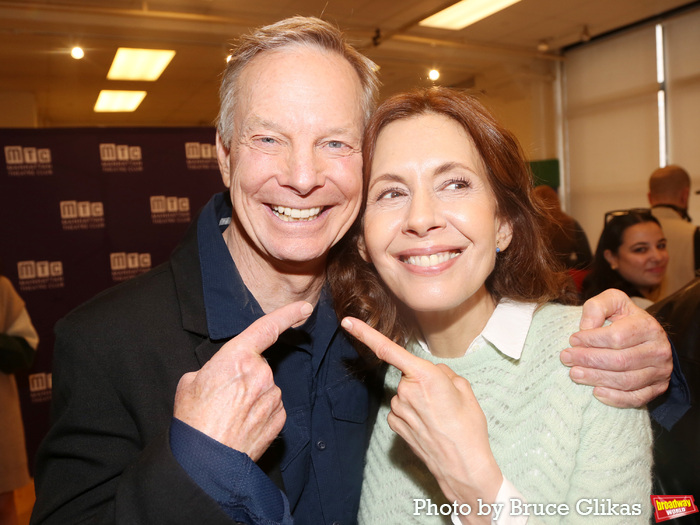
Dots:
pixel 319 457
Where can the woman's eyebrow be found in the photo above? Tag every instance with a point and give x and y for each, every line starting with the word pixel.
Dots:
pixel 386 177
pixel 449 166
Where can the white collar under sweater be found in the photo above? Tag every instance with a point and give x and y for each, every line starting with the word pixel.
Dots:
pixel 506 329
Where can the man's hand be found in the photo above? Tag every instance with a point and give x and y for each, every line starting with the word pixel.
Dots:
pixel 233 397
pixel 436 413
pixel 629 361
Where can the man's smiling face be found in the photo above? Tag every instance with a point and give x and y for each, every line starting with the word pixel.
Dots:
pixel 294 168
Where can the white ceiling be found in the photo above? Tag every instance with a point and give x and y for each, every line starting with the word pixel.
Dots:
pixel 36 36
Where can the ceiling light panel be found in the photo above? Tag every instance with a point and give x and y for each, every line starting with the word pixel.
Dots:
pixel 139 64
pixel 465 13
pixel 113 101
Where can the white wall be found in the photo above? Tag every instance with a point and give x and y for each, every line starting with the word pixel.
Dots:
pixel 611 118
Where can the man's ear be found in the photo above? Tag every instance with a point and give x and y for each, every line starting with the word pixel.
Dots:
pixel 684 197
pixel 504 234
pixel 612 259
pixel 223 154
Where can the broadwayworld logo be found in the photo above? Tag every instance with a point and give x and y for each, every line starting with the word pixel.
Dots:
pixel 125 266
pixel 82 215
pixel 121 158
pixel 671 507
pixel 166 210
pixel 28 161
pixel 200 156
pixel 40 275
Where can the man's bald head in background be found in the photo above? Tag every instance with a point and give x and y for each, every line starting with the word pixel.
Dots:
pixel 669 185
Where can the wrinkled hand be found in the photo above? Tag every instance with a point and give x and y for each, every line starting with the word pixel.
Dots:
pixel 436 413
pixel 629 361
pixel 233 397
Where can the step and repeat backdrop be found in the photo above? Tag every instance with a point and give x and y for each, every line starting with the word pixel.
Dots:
pixel 84 209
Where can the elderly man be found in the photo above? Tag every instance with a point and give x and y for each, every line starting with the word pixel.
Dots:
pixel 165 410
pixel 669 192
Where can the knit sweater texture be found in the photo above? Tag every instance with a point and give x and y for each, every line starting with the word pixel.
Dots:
pixel 551 438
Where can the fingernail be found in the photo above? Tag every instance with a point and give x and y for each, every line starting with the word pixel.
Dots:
pixel 566 357
pixel 601 393
pixel 346 323
pixel 307 309
pixel 576 373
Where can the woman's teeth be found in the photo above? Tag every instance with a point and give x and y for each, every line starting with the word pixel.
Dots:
pixel 296 214
pixel 430 260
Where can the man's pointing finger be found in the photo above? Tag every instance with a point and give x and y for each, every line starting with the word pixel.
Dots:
pixel 264 332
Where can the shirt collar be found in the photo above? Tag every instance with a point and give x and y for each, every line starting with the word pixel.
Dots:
pixel 682 213
pixel 220 278
pixel 506 329
pixel 229 305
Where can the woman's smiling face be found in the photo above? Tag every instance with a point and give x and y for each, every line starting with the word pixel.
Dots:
pixel 642 257
pixel 430 225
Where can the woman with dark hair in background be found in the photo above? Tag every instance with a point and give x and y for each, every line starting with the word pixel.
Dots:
pixel 631 256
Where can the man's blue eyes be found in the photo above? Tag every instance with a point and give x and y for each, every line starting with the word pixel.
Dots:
pixel 333 144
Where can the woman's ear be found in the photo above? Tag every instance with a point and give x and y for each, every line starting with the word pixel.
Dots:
pixel 223 154
pixel 362 248
pixel 612 259
pixel 504 234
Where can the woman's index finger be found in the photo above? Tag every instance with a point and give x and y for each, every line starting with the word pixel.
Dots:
pixel 384 348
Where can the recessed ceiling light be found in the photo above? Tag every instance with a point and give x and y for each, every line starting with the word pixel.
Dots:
pixel 113 101
pixel 77 52
pixel 464 13
pixel 433 74
pixel 139 64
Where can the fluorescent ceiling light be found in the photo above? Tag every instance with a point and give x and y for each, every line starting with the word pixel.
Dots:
pixel 111 101
pixel 139 64
pixel 464 13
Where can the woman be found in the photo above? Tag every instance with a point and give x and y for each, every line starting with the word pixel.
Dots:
pixel 451 230
pixel 631 256
pixel 18 341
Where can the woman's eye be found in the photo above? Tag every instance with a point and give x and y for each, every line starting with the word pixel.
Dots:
pixel 267 140
pixel 336 144
pixel 457 185
pixel 389 194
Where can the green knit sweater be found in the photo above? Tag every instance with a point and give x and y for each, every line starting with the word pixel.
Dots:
pixel 551 438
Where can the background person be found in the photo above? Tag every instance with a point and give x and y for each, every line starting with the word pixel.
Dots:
pixel 631 256
pixel 18 343
pixel 676 451
pixel 569 240
pixel 669 193
pixel 451 230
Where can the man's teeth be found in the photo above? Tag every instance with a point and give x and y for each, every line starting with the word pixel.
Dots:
pixel 431 260
pixel 296 214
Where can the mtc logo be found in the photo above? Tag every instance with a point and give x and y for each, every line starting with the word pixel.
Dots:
pixel 39 269
pixel 129 261
pixel 163 204
pixel 119 152
pixel 15 155
pixel 81 209
pixel 197 150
